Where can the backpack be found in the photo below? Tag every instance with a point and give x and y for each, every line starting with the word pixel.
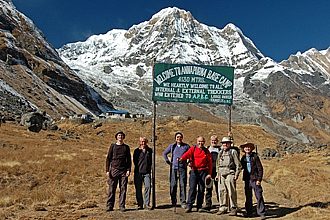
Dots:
pixel 231 149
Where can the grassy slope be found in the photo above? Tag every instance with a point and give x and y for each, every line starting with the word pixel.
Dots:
pixel 63 173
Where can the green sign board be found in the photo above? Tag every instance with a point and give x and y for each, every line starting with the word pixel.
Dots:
pixel 193 83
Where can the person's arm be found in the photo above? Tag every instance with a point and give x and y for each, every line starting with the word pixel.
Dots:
pixel 209 160
pixel 187 155
pixel 217 166
pixel 166 152
pixel 243 163
pixel 129 160
pixel 150 157
pixel 237 164
pixel 109 159
pixel 136 157
pixel 260 170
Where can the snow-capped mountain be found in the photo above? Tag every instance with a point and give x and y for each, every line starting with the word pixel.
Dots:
pixel 118 65
pixel 32 74
pixel 122 57
pixel 290 98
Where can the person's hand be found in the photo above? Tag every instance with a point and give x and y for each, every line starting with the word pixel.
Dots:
pixel 258 183
pixel 208 176
pixel 216 178
pixel 128 173
pixel 108 174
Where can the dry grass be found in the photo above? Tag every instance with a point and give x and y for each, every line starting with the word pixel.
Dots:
pixel 61 175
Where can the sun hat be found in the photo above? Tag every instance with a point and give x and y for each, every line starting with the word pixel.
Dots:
pixel 208 182
pixel 226 140
pixel 247 144
pixel 119 132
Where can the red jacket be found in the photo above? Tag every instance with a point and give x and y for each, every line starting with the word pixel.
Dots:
pixel 200 158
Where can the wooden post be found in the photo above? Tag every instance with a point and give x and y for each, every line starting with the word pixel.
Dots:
pixel 154 139
pixel 229 119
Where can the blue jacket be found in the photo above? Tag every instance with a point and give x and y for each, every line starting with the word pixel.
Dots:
pixel 176 152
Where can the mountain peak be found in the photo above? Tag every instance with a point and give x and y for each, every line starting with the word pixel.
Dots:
pixel 170 11
pixel 231 26
pixel 171 15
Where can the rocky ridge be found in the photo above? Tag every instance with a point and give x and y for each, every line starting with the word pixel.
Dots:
pixel 35 74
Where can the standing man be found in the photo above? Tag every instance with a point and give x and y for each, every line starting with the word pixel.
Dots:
pixel 228 167
pixel 118 168
pixel 201 168
pixel 252 177
pixel 142 159
pixel 177 170
pixel 214 149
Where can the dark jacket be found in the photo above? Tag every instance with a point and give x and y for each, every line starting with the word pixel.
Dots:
pixel 142 160
pixel 257 170
pixel 119 158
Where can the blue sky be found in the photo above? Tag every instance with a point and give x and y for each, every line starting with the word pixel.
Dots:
pixel 277 27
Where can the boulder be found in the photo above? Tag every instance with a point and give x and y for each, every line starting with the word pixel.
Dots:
pixel 35 121
pixel 269 153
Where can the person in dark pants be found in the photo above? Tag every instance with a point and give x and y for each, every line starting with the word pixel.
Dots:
pixel 201 168
pixel 118 168
pixel 252 177
pixel 178 171
pixel 142 159
pixel 214 150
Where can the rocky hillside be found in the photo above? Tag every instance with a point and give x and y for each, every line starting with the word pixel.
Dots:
pixel 33 76
pixel 290 99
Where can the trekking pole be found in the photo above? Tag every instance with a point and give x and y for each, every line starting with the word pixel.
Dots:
pixel 176 193
pixel 177 178
pixel 171 190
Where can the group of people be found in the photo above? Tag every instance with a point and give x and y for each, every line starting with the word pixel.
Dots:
pixel 209 167
pixel 118 169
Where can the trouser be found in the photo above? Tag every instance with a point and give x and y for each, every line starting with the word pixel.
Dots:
pixel 113 181
pixel 197 178
pixel 227 191
pixel 208 194
pixel 139 180
pixel 181 175
pixel 248 186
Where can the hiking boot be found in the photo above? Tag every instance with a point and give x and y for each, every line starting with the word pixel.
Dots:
pixel 233 212
pixel 204 209
pixel 184 206
pixel 139 207
pixel 122 209
pixel 207 207
pixel 247 215
pixel 262 217
pixel 148 207
pixel 221 212
pixel 109 209
pixel 188 210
